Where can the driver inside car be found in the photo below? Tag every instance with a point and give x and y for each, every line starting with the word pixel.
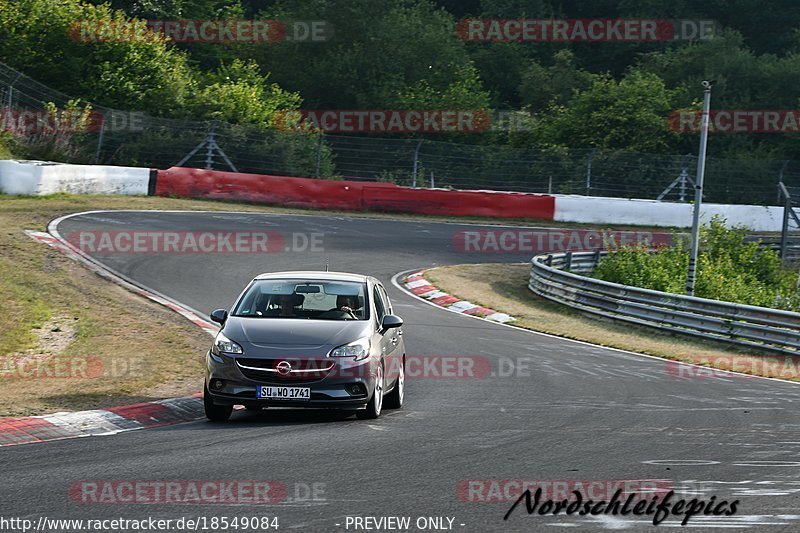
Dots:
pixel 347 307
pixel 348 304
pixel 287 304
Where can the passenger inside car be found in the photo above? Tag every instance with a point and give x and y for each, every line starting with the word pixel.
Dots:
pixel 347 307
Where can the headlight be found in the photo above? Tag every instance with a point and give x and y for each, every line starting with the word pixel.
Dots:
pixel 225 345
pixel 359 350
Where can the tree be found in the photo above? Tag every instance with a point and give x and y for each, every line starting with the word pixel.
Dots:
pixel 45 40
pixel 630 114
pixel 744 80
pixel 240 94
pixel 379 49
pixel 555 85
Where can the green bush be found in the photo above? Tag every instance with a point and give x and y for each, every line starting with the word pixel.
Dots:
pixel 634 265
pixel 7 145
pixel 44 39
pixel 728 269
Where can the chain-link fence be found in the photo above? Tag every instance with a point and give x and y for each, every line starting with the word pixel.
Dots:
pixel 137 139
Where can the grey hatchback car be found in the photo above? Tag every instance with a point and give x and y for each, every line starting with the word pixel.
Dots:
pixel 307 339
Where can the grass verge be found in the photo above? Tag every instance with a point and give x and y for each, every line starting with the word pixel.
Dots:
pixel 72 340
pixel 503 287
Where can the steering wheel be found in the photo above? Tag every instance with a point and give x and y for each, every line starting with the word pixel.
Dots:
pixel 349 310
pixel 340 313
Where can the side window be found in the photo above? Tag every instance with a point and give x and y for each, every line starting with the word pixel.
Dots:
pixel 380 309
pixel 387 304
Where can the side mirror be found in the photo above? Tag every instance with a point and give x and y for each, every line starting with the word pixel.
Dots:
pixel 219 316
pixel 391 321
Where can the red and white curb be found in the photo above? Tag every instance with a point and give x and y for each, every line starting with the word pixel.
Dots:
pixel 58 426
pixel 113 420
pixel 423 288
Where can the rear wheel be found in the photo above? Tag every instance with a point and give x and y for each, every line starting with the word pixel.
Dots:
pixel 394 400
pixel 375 404
pixel 215 413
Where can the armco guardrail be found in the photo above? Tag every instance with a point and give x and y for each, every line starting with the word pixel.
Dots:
pixel 556 277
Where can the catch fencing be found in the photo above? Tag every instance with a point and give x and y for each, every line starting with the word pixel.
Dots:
pixel 477 161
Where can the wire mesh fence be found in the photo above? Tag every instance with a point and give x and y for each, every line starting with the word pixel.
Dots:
pixel 138 139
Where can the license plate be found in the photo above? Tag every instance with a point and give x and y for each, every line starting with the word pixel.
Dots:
pixel 284 393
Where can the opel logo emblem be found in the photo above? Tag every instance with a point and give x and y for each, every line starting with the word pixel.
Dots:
pixel 284 367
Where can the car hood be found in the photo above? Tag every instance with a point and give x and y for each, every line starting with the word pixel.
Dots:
pixel 298 333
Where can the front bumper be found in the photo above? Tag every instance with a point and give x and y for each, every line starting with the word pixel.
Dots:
pixel 332 391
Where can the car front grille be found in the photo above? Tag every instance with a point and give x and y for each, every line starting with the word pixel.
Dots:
pixel 285 371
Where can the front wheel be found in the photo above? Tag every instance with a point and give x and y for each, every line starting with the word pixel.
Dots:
pixel 215 413
pixel 375 404
pixel 394 400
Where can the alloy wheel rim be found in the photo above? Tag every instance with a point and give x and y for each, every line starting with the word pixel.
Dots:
pixel 379 390
pixel 401 383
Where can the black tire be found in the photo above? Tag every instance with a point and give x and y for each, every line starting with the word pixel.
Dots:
pixel 394 400
pixel 215 413
pixel 375 404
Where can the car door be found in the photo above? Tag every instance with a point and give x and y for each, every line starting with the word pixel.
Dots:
pixel 384 338
pixel 394 351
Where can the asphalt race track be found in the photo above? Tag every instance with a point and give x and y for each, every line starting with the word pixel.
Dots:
pixel 568 411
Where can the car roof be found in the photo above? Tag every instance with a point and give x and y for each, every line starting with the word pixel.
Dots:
pixel 316 275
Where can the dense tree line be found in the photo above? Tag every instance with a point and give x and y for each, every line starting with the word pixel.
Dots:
pixel 386 54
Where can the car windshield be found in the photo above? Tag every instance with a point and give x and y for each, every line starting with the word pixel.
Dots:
pixel 305 299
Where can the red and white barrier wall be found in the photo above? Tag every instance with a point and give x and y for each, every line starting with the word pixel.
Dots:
pixel 42 177
pixel 36 177
pixel 596 210
pixel 355 195
pixel 350 195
